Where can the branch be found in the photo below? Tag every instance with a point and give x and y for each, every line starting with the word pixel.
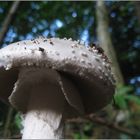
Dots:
pixel 110 125
pixel 96 119
pixel 8 20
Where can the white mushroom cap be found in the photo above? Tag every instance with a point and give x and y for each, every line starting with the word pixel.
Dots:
pixel 90 86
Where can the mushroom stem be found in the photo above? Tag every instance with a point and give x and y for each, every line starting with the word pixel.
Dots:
pixel 44 117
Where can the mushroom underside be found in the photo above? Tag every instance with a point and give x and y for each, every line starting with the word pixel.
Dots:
pixel 94 96
pixel 7 81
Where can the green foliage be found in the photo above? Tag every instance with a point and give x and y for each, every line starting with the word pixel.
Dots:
pixel 133 98
pixel 86 131
pixel 120 96
pixel 124 95
pixel 18 121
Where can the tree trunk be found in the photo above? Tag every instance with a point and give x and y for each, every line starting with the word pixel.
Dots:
pixel 3 31
pixel 137 8
pixel 8 20
pixel 105 40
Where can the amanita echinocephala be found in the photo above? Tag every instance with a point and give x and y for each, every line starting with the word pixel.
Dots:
pixel 50 80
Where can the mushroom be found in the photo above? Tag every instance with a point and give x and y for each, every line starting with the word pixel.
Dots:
pixel 50 80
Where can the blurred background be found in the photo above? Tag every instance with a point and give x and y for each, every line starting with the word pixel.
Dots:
pixel 115 26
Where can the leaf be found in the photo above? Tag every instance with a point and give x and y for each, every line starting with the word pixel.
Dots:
pixel 124 90
pixel 18 121
pixel 133 99
pixel 120 101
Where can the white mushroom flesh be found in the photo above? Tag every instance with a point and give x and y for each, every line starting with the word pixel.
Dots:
pixel 45 106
